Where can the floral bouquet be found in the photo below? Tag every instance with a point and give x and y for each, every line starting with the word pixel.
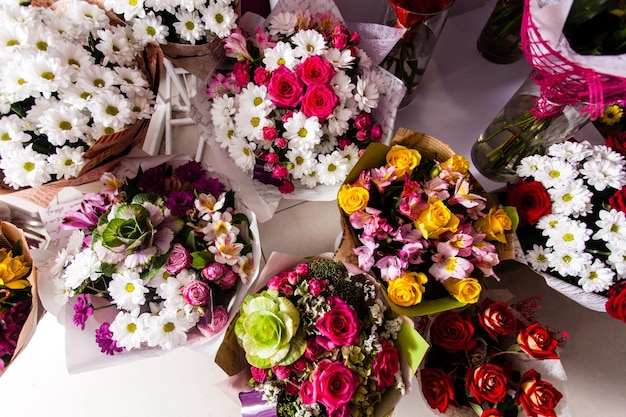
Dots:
pixel 493 360
pixel 414 217
pixel 155 261
pixel 318 341
pixel 572 219
pixel 190 32
pixel 299 104
pixel 75 90
pixel 19 305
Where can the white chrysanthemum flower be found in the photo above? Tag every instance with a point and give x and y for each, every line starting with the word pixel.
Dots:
pixel 67 162
pixel 342 86
pixel 98 129
pixel 366 94
pixel 128 291
pixel 168 329
pixel 222 111
pixel 141 105
pixel 220 19
pixel 571 198
pixel 87 17
pixel 283 23
pixel 612 227
pixel 72 55
pixel 302 132
pixel 571 236
pixel 311 179
pixel 556 171
pixel 150 29
pixel 338 122
pixel 606 153
pixel 62 124
pixel 128 8
pixel 115 45
pixel 47 74
pixel 301 162
pixel 189 26
pixel 111 110
pixel 550 223
pixel 84 266
pixel 171 290
pixel 75 96
pixel 339 59
pixel 250 121
pixel 12 134
pixel 15 84
pixel 280 54
pixel 24 168
pixel 56 21
pixel 13 39
pixel 328 143
pixel 225 135
pixel 97 79
pixel 308 43
pixel 530 165
pixel 365 62
pixel 351 153
pixel 130 80
pixel 128 330
pixel 601 174
pixel 242 152
pixel 617 258
pixel 537 258
pixel 570 151
pixel 596 277
pixel 332 168
pixel 569 262
pixel 256 96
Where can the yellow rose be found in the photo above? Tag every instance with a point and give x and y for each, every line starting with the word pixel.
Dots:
pixel 494 224
pixel 407 289
pixel 12 269
pixel 456 163
pixel 352 199
pixel 435 220
pixel 404 159
pixel 464 290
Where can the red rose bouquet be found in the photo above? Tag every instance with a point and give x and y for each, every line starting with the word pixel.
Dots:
pixel 421 225
pixel 301 101
pixel 483 361
pixel 318 341
pixel 156 260
pixel 571 208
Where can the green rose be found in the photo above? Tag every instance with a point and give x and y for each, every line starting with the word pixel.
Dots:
pixel 269 331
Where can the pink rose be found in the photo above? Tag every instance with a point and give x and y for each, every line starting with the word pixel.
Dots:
pixel 317 286
pixel 334 384
pixel 213 271
pixel 376 133
pixel 211 324
pixel 340 325
pixel 299 365
pixel 259 374
pixel 363 121
pixel 313 349
pixel 282 372
pixel 241 72
pixel 319 100
pixel 272 158
pixel 302 270
pixel 315 70
pixel 285 88
pixel 279 171
pixel 306 392
pixel 228 280
pixel 179 259
pixel 355 38
pixel 340 37
pixel 286 187
pixel 197 293
pixel 269 133
pixel 343 411
pixel 281 143
pixel 262 76
pixel 361 135
pixel 291 387
pixel 386 364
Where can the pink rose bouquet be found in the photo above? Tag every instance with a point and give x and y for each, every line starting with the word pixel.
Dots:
pixel 297 107
pixel 155 261
pixel 319 341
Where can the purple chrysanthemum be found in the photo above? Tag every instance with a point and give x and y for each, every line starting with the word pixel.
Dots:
pixel 208 185
pixel 104 339
pixel 82 311
pixel 179 202
pixel 11 322
pixel 190 172
pixel 152 180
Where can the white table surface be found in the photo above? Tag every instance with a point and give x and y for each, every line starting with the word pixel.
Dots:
pixel 458 96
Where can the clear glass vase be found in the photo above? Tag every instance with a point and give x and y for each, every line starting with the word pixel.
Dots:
pixel 516 133
pixel 500 38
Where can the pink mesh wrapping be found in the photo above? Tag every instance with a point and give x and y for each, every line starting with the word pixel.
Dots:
pixel 562 82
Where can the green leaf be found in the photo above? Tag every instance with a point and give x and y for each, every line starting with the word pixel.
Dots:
pixel 513 215
pixel 412 346
pixel 200 259
pixel 477 408
pixel 17 248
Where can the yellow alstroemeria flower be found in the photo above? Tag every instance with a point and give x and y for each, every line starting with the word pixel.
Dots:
pixel 13 270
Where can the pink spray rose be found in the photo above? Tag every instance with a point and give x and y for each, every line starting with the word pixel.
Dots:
pixel 214 271
pixel 179 259
pixel 211 324
pixel 306 392
pixel 228 280
pixel 386 365
pixel 259 374
pixel 315 70
pixel 197 293
pixel 334 384
pixel 340 325
pixel 285 88
pixel 319 100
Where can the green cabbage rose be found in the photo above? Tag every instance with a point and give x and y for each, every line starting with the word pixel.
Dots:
pixel 269 331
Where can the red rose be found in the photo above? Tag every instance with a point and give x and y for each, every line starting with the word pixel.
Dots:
pixel 496 318
pixel 492 412
pixel 488 383
pixel 538 342
pixel 616 305
pixel 437 388
pixel 616 142
pixel 618 200
pixel 285 88
pixel 537 397
pixel 386 364
pixel 319 100
pixel 453 332
pixel 315 70
pixel 531 200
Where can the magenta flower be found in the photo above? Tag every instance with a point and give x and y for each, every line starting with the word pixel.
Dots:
pixel 90 210
pixel 382 177
pixel 82 311
pixel 391 267
pixel 365 253
pixel 180 202
pixel 179 259
pixel 340 325
pixel 11 322
pixel 235 47
pixel 213 323
pixel 104 339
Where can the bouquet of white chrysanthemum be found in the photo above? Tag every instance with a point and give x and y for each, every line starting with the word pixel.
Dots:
pixel 573 220
pixel 74 90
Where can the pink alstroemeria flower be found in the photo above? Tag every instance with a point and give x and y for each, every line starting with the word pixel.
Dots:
pixel 382 177
pixel 391 267
pixel 262 39
pixel 412 252
pixel 235 47
pixel 463 196
pixel 437 188
pixel 365 253
pixel 462 242
pixel 371 223
pixel 411 206
pixel 447 264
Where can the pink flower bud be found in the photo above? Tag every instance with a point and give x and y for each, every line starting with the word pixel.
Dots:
pixel 363 121
pixel 302 270
pixel 279 172
pixel 269 133
pixel 281 143
pixel 272 158
pixel 376 133
pixel 213 271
